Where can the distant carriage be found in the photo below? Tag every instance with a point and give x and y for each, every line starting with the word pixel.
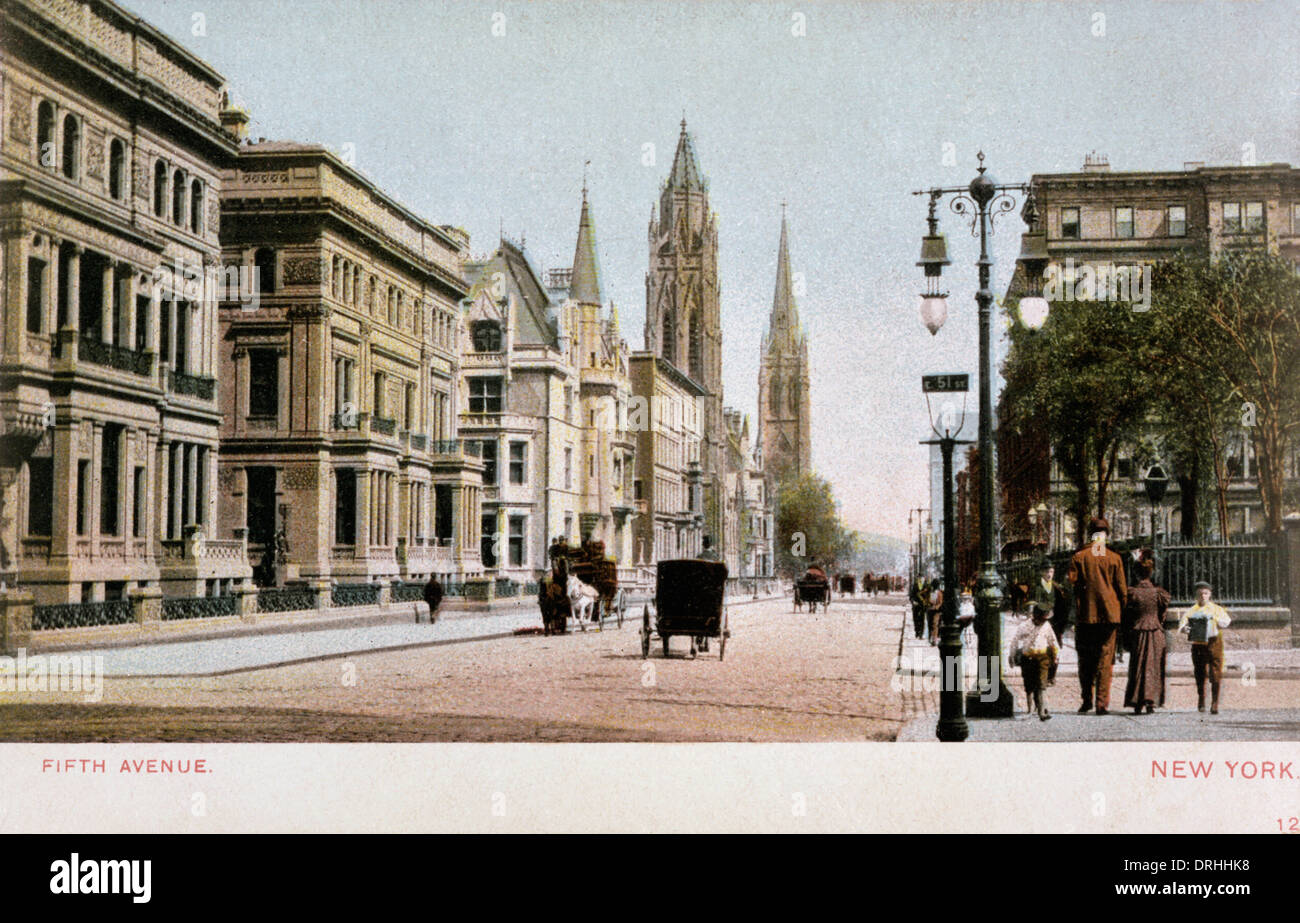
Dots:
pixel 811 589
pixel 688 601
pixel 848 585
pixel 589 564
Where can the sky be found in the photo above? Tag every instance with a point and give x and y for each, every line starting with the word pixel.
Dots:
pixel 482 115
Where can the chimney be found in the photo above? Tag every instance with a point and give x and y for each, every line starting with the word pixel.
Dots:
pixel 234 121
pixel 1096 163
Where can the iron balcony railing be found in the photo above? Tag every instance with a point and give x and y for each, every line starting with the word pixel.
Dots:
pixel 407 592
pixel 285 599
pixel 383 425
pixel 193 385
pixel 354 594
pixel 121 358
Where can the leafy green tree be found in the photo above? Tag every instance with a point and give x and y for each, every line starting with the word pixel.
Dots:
pixel 1231 335
pixel 808 526
pixel 1083 379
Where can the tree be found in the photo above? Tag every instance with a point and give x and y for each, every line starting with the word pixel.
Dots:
pixel 1232 333
pixel 1083 379
pixel 808 527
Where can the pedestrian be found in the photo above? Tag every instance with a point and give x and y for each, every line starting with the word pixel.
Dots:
pixel 1144 624
pixel 708 554
pixel 917 597
pixel 1204 624
pixel 433 596
pixel 1035 650
pixel 934 609
pixel 1053 598
pixel 1100 589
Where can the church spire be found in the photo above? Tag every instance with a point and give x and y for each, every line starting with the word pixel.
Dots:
pixel 685 174
pixel 783 325
pixel 584 286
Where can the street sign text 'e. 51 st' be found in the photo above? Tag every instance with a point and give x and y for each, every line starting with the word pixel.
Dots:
pixel 931 383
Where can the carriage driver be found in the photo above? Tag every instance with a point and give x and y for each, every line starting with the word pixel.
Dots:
pixel 708 554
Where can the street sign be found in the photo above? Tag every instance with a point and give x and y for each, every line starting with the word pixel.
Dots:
pixel 953 382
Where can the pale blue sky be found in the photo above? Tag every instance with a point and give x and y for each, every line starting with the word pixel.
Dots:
pixel 475 129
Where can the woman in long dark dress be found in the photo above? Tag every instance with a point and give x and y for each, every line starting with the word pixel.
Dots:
pixel 1145 615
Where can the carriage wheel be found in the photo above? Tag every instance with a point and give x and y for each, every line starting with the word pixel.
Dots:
pixel 622 605
pixel 722 637
pixel 645 632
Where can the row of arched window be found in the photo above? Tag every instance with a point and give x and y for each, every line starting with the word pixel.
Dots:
pixel 694 342
pixel 59 147
pixel 347 284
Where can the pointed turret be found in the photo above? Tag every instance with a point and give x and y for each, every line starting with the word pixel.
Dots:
pixel 584 287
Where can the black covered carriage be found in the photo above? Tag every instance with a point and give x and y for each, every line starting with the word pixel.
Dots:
pixel 812 588
pixel 688 601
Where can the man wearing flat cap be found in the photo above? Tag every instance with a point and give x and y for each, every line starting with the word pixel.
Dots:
pixel 1100 589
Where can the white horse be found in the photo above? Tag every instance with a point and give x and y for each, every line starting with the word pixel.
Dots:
pixel 582 600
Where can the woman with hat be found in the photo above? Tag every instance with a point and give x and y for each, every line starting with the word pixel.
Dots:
pixel 1204 624
pixel 1144 618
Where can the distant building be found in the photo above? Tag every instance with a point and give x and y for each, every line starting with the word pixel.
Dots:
pixel 668 488
pixel 750 518
pixel 784 403
pixel 338 385
pixel 111 168
pixel 1098 221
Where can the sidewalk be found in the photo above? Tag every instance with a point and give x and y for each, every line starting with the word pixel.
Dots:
pixel 919 664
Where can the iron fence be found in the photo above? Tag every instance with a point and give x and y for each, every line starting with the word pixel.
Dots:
pixel 197 607
pixel 407 592
pixel 285 599
pixel 82 615
pixel 354 594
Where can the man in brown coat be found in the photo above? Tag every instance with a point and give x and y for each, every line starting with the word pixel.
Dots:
pixel 1100 591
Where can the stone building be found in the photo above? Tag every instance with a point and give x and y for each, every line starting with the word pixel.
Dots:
pixel 683 314
pixel 668 489
pixel 750 517
pixel 1101 225
pixel 339 384
pixel 554 369
pixel 785 417
pixel 112 156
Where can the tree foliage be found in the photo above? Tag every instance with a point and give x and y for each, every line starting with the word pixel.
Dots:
pixel 808 526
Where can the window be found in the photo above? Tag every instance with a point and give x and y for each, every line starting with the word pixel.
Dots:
pixel 83 485
pixel 178 198
pixel 568 469
pixel 1231 217
pixel 518 524
pixel 1295 218
pixel 408 411
pixel 345 506
pixel 336 277
pixel 264 383
pixel 182 336
pixel 1124 221
pixel 1070 223
pixel 1254 217
pixel 487 539
pixel 160 190
pixel 669 344
pixel 35 293
pixel 488 451
pixel 638 489
pixel 40 496
pixel 1177 220
pixel 116 168
pixel 141 322
pixel 46 149
pixel 518 463
pixel 196 206
pixel 260 520
pixel 568 404
pixel 696 347
pixel 264 267
pixel 486 336
pixel 110 455
pixel 138 501
pixel 71 146
pixel 485 395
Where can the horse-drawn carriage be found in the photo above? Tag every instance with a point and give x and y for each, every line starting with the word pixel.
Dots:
pixel 583 584
pixel 848 585
pixel 812 588
pixel 688 601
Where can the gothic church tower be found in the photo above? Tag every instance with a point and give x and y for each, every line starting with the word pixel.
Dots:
pixel 683 314
pixel 785 422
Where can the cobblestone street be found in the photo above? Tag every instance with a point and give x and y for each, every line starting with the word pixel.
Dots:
pixel 786 677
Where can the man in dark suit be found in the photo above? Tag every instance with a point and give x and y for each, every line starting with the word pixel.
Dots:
pixel 1100 589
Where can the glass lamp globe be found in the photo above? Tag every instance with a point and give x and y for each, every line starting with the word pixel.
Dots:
pixel 1033 311
pixel 934 311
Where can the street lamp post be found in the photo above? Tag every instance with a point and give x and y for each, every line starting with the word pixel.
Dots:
pixel 1155 483
pixel 952 674
pixel 982 202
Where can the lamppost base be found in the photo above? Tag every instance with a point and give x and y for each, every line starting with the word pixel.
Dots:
pixel 1003 705
pixel 954 731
